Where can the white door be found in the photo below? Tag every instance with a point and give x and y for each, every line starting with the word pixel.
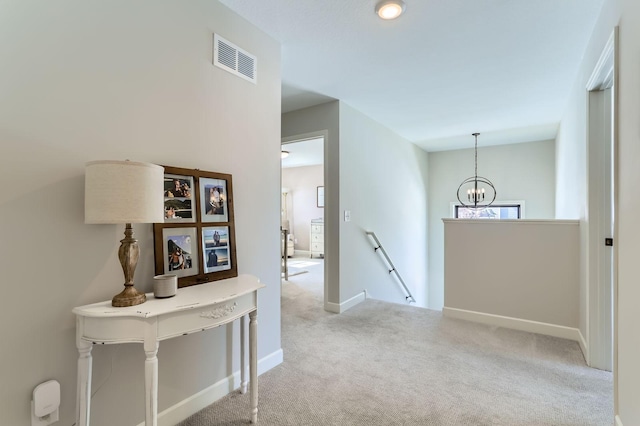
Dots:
pixel 600 218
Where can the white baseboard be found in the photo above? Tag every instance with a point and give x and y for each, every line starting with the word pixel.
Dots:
pixel 618 421
pixel 515 323
pixel 268 362
pixel 187 407
pixel 339 308
pixel 583 347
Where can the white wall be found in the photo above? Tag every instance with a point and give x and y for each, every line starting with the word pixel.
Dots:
pixel 384 185
pixel 382 179
pixel 571 155
pixel 85 81
pixel 518 171
pixel 626 14
pixel 520 269
pixel 302 203
pixel 629 227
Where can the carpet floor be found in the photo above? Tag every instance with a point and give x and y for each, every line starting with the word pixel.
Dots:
pixel 387 364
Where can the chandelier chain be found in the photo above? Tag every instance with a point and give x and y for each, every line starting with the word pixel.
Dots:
pixel 476 149
pixel 476 195
pixel 476 153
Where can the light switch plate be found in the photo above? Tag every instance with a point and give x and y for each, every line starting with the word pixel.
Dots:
pixel 347 215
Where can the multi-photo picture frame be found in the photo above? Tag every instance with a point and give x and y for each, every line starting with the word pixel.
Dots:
pixel 196 242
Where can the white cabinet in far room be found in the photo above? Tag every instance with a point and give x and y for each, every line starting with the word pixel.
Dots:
pixel 316 240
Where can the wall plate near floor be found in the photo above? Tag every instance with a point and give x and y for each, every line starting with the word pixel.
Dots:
pixel 45 405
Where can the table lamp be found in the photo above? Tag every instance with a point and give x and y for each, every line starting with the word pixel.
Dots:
pixel 124 192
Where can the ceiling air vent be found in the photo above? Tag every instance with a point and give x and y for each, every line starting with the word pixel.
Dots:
pixel 230 57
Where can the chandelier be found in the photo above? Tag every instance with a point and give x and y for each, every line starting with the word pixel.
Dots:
pixel 477 197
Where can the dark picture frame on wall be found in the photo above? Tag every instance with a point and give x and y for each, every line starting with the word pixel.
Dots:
pixel 196 242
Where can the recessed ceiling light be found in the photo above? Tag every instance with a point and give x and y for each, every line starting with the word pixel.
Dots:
pixel 284 154
pixel 390 9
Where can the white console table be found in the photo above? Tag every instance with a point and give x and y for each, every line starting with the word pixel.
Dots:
pixel 193 309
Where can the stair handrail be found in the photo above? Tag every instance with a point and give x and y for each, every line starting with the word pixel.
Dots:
pixel 393 269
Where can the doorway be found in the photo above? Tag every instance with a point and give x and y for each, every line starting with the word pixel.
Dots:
pixel 302 212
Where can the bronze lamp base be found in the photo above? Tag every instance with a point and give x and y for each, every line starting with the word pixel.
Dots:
pixel 128 253
pixel 128 297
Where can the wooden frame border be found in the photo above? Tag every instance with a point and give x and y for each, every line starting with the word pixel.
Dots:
pixel 200 276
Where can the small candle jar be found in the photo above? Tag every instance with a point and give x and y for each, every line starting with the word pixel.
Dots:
pixel 165 286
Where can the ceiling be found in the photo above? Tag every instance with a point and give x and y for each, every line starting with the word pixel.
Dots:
pixel 308 152
pixel 443 70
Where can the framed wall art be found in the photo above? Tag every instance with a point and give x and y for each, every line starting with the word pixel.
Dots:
pixel 213 193
pixel 215 246
pixel 178 199
pixel 180 251
pixel 196 242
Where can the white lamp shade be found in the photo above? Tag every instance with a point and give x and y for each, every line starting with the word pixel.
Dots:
pixel 123 192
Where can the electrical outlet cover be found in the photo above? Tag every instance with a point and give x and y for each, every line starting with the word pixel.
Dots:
pixel 45 405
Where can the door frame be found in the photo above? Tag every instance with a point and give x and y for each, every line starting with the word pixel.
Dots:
pixel 324 134
pixel 604 75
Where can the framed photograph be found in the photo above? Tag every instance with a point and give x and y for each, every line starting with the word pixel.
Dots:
pixel 320 196
pixel 213 193
pixel 180 251
pixel 215 246
pixel 178 199
pixel 196 242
